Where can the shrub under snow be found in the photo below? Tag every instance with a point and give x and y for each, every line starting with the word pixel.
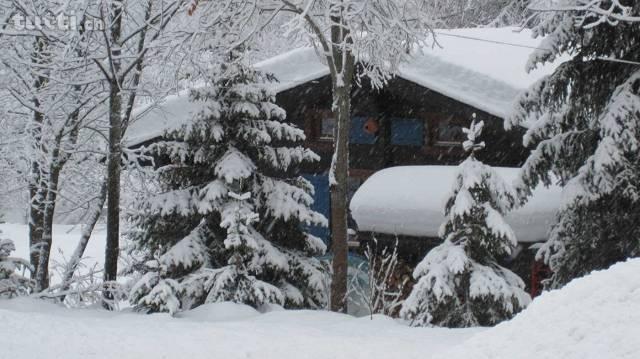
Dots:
pixel 12 283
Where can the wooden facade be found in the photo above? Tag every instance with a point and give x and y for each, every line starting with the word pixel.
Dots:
pixel 402 124
pixel 413 125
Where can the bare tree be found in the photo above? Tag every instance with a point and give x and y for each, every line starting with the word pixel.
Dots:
pixel 131 31
pixel 55 106
pixel 376 284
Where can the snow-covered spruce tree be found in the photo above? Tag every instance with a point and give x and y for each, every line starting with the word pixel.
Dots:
pixel 584 126
pixel 460 283
pixel 12 283
pixel 203 243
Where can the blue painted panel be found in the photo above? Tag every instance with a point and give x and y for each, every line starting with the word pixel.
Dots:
pixel 321 203
pixel 358 135
pixel 407 132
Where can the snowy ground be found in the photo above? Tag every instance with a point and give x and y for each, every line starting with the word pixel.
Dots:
pixel 596 317
pixel 217 331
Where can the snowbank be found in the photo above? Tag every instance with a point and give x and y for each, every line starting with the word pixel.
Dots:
pixel 409 200
pixel 595 317
pixel 41 330
pixel 473 66
pixel 220 312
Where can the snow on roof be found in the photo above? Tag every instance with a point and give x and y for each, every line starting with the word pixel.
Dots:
pixel 482 67
pixel 409 200
pixel 151 120
pixel 292 68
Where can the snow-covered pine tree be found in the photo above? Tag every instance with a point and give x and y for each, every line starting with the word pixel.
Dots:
pixel 235 282
pixel 12 283
pixel 584 125
pixel 460 283
pixel 202 243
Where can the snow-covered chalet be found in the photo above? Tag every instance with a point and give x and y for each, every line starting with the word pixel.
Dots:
pixel 405 139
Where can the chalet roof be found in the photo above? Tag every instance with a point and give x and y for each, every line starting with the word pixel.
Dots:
pixel 483 67
pixel 410 200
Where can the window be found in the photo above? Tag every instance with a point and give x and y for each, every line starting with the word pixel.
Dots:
pixel 407 132
pixel 327 128
pixel 359 134
pixel 449 131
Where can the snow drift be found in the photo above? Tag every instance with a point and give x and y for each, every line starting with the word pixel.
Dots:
pixel 597 317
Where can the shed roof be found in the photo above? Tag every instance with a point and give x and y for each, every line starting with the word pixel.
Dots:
pixel 410 200
pixel 481 67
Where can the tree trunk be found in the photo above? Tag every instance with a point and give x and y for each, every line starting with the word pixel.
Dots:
pixel 342 83
pixel 114 166
pixel 42 274
pixel 44 191
pixel 112 249
pixel 36 197
pixel 44 196
pixel 94 216
pixel 36 225
pixel 49 188
pixel 339 192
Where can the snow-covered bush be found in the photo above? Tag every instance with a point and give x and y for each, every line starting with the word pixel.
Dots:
pixel 12 282
pixel 375 285
pixel 584 125
pixel 203 242
pixel 460 282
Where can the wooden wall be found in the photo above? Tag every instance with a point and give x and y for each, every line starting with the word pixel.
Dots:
pixel 400 99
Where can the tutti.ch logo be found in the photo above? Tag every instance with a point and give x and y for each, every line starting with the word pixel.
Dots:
pixel 61 22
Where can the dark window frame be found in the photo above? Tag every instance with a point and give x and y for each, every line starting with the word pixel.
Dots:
pixel 448 119
pixel 322 135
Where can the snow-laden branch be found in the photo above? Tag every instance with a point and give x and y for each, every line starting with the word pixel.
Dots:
pixel 610 11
